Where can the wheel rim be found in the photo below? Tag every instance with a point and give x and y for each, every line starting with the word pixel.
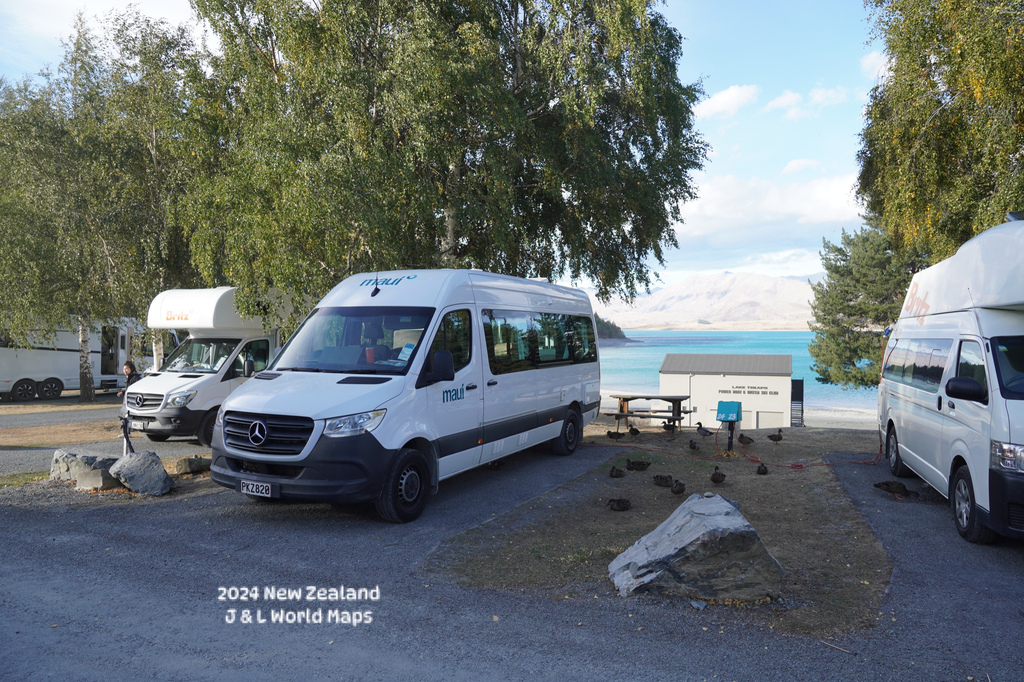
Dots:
pixel 891 449
pixel 48 389
pixel 24 391
pixel 409 485
pixel 962 500
pixel 571 433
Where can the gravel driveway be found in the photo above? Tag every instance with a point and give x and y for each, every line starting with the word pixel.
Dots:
pixel 128 590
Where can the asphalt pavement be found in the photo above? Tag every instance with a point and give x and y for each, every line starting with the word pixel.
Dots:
pixel 133 589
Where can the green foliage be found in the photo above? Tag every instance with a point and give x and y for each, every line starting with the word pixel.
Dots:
pixel 606 329
pixel 863 291
pixel 535 138
pixel 940 159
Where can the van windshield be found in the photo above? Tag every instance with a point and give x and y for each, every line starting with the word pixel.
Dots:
pixel 199 356
pixel 356 340
pixel 1009 352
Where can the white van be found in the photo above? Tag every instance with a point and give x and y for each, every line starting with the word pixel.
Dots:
pixel 397 380
pixel 951 396
pixel 182 398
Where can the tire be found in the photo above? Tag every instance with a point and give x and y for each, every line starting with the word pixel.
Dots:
pixel 572 432
pixel 406 488
pixel 892 455
pixel 205 432
pixel 23 390
pixel 157 437
pixel 965 511
pixel 50 389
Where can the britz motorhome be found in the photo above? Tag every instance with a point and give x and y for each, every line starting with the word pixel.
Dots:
pixel 951 396
pixel 51 364
pixel 183 396
pixel 398 380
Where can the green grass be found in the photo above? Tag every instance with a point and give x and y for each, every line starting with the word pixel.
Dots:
pixel 11 480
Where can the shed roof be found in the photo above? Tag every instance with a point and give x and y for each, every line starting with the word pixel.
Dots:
pixel 711 363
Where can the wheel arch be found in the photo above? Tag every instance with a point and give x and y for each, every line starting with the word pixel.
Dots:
pixel 429 451
pixel 954 466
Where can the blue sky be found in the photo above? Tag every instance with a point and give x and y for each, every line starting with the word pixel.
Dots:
pixel 785 88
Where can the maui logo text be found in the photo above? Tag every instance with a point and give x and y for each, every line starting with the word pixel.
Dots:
pixel 387 281
pixel 453 394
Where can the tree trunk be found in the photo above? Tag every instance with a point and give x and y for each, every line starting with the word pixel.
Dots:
pixel 449 243
pixel 87 393
pixel 158 348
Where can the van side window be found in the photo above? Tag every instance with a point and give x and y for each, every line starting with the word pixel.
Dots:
pixel 518 341
pixel 972 363
pixel 918 362
pixel 455 335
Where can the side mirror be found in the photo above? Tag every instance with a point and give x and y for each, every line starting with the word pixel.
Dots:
pixel 966 389
pixel 442 368
pixel 248 367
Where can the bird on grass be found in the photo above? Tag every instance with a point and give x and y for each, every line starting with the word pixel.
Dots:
pixel 663 480
pixel 668 426
pixel 701 431
pixel 616 472
pixel 896 489
pixel 745 440
pixel 637 464
pixel 678 488
pixel 615 435
pixel 775 437
pixel 717 477
pixel 762 470
pixel 633 431
pixel 619 504
pixel 694 445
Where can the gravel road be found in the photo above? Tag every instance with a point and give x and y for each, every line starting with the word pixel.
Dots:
pixel 129 589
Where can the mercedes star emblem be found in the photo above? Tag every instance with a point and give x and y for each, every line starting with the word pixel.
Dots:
pixel 139 400
pixel 257 433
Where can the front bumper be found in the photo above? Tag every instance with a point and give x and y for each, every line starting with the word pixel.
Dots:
pixel 1006 503
pixel 171 421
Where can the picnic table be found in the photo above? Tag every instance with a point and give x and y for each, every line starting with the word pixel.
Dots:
pixel 674 416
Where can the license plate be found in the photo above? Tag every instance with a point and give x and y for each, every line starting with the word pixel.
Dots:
pixel 138 426
pixel 254 488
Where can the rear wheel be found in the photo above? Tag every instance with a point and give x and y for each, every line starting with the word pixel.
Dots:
pixel 892 454
pixel 965 511
pixel 572 431
pixel 406 488
pixel 23 390
pixel 50 389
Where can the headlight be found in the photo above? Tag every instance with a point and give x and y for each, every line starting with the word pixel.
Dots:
pixel 353 424
pixel 219 421
pixel 1007 456
pixel 180 399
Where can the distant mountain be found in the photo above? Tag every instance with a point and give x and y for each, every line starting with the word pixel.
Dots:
pixel 729 300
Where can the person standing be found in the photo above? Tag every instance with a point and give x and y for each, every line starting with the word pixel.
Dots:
pixel 132 374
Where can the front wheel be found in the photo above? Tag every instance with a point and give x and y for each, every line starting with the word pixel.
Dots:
pixel 406 488
pixel 569 439
pixel 205 433
pixel 892 455
pixel 965 511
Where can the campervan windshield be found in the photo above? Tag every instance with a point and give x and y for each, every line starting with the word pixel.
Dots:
pixel 356 340
pixel 1010 365
pixel 199 356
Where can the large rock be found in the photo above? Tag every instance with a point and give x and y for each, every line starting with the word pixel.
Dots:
pixel 67 466
pixel 195 464
pixel 143 473
pixel 704 550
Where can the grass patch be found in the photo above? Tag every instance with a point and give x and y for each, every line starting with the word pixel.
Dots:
pixel 13 480
pixel 836 571
pixel 59 434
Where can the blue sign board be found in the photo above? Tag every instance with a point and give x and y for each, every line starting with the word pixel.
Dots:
pixel 729 411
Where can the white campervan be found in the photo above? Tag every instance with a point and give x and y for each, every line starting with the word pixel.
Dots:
pixel 397 380
pixel 182 398
pixel 951 397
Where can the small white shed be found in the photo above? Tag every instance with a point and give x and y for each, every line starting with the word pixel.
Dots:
pixel 763 383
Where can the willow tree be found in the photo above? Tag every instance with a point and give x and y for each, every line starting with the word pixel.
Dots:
pixel 532 138
pixel 941 149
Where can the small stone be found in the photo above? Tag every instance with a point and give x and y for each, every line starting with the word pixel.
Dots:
pixel 96 479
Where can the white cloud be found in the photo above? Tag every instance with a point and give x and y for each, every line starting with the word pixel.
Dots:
pixel 821 97
pixel 875 66
pixel 727 102
pixel 786 100
pixel 797 165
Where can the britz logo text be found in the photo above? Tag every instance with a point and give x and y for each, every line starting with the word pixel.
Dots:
pixel 453 394
pixel 388 281
pixel 915 305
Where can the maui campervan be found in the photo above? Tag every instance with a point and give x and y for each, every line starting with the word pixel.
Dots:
pixel 951 396
pixel 398 380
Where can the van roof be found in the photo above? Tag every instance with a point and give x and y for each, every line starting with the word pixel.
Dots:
pixel 199 309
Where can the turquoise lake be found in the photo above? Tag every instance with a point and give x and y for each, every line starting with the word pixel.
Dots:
pixel 633 367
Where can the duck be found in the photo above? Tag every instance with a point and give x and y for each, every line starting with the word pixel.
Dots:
pixel 775 437
pixel 616 472
pixel 896 489
pixel 694 445
pixel 619 504
pixel 717 477
pixel 637 464
pixel 615 435
pixel 701 431
pixel 668 426
pixel 762 470
pixel 633 431
pixel 663 480
pixel 678 488
pixel 745 440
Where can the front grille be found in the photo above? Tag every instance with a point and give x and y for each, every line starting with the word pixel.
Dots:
pixel 286 435
pixel 1016 513
pixel 150 401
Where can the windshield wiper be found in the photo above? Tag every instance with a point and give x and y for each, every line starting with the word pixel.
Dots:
pixel 299 369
